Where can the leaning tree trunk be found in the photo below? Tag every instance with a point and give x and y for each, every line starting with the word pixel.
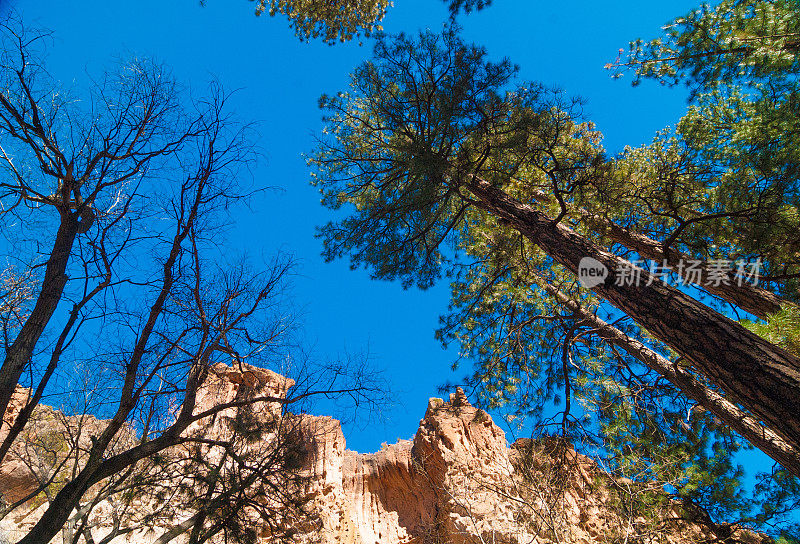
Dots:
pixel 758 301
pixel 756 374
pixel 729 413
pixel 19 353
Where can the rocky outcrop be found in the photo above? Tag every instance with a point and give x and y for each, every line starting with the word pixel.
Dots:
pixel 458 481
pixel 16 480
pixel 40 445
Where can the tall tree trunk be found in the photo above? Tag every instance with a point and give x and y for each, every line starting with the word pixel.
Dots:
pixel 19 354
pixel 729 413
pixel 751 298
pixel 754 373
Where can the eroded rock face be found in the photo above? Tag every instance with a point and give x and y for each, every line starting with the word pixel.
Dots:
pixel 457 481
pixel 16 480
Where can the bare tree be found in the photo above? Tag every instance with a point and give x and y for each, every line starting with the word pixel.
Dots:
pixel 238 474
pixel 113 203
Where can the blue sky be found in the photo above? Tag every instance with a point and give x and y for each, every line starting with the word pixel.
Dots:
pixel 279 80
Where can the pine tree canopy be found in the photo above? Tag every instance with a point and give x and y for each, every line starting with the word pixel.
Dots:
pixel 441 163
pixel 343 20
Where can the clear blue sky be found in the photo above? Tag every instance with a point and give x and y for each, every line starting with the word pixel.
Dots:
pixel 279 80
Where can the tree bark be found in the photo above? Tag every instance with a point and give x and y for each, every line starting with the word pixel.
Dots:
pixel 20 352
pixel 751 298
pixel 727 412
pixel 754 373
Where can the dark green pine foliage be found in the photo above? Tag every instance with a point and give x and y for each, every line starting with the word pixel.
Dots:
pixel 390 159
pixel 426 114
pixel 724 182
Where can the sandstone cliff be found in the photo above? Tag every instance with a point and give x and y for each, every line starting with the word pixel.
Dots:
pixel 457 481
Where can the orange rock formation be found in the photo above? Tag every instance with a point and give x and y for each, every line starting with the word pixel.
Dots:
pixel 457 481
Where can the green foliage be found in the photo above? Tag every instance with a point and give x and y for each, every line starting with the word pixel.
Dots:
pixel 693 458
pixel 418 120
pixel 724 183
pixel 782 328
pixel 503 321
pixel 731 43
pixel 343 20
pixel 330 21
pixel 467 5
pixel 425 116
pixel 388 149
